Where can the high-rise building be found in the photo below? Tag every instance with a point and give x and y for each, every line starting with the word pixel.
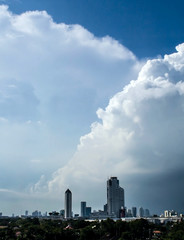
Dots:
pixel 129 213
pixel 146 213
pixel 123 212
pixel 62 213
pixel 83 209
pixel 115 197
pixel 141 212
pixel 88 211
pixel 68 204
pixel 105 208
pixel 134 212
pixel 35 213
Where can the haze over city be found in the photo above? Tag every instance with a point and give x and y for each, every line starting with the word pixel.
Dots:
pixel 90 90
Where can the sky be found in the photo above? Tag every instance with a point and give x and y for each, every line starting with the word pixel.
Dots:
pixel 90 90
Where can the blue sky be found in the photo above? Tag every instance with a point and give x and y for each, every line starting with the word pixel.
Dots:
pixel 148 28
pixel 89 90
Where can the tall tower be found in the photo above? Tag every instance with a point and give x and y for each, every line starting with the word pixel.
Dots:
pixel 115 197
pixel 68 204
pixel 141 212
pixel 83 209
pixel 134 212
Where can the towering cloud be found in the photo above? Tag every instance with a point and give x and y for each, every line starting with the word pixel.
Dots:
pixel 139 138
pixel 53 77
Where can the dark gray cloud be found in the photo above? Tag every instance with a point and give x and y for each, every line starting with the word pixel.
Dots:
pixel 159 191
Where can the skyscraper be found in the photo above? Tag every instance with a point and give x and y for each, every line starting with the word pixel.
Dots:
pixel 88 211
pixel 115 197
pixel 83 209
pixel 134 212
pixel 146 213
pixel 68 204
pixel 141 212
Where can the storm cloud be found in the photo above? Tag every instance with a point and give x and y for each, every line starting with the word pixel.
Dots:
pixel 139 138
pixel 53 78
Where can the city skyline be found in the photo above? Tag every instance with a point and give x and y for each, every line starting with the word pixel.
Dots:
pixel 114 208
pixel 90 90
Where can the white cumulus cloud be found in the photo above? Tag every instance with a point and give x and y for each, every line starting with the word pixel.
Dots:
pixel 53 77
pixel 139 138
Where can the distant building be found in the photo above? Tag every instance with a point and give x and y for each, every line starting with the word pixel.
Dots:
pixel 134 212
pixel 68 204
pixel 45 214
pixel 123 212
pixel 170 213
pixel 54 214
pixel 115 197
pixel 26 213
pixel 98 215
pixel 141 212
pixel 146 213
pixel 166 213
pixel 88 212
pixel 105 208
pixel 129 213
pixel 35 213
pixel 62 213
pixel 83 209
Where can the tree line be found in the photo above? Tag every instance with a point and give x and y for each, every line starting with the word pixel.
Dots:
pixel 42 229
